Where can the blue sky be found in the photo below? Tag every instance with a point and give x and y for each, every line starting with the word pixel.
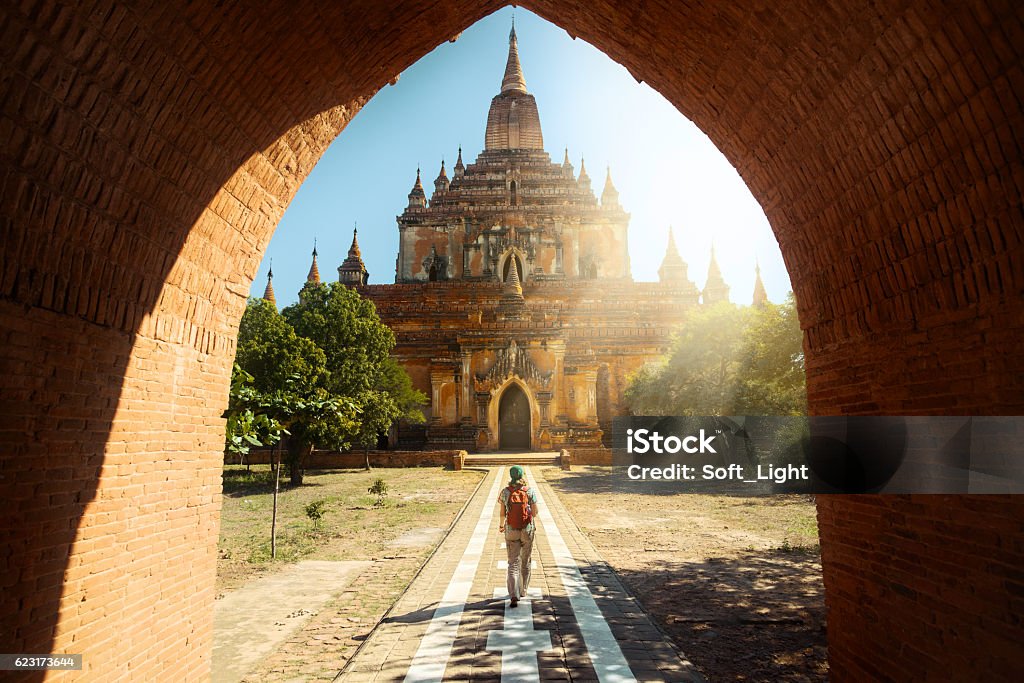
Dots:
pixel 666 170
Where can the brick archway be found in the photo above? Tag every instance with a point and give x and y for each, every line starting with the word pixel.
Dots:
pixel 151 150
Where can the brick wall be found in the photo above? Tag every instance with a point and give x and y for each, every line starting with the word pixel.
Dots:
pixel 356 459
pixel 150 149
pixel 590 456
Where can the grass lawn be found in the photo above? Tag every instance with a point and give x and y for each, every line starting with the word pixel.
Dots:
pixel 420 504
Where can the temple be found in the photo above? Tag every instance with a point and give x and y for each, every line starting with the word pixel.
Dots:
pixel 514 306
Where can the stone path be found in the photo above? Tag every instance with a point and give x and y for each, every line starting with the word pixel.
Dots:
pixel 252 621
pixel 455 623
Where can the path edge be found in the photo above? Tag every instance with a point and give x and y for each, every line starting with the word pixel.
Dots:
pixel 426 561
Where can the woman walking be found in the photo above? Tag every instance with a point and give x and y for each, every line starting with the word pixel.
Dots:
pixel 518 510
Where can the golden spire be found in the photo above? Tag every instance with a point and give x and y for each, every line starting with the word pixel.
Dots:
pixel 760 295
pixel 268 293
pixel 314 270
pixel 353 251
pixel 583 179
pixel 417 197
pixel 513 80
pixel 715 289
pixel 610 196
pixel 673 268
pixel 353 271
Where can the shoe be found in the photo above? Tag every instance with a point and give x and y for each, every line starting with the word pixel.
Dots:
pixel 514 602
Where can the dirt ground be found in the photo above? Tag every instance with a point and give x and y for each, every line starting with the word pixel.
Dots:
pixel 419 505
pixel 735 582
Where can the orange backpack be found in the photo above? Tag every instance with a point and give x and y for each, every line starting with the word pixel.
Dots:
pixel 517 511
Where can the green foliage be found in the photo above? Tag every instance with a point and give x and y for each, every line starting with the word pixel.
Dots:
pixel 396 382
pixel 379 488
pixel 273 354
pixel 321 370
pixel 248 423
pixel 346 328
pixel 315 511
pixel 728 360
pixel 772 377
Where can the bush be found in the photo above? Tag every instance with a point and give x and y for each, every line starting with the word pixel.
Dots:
pixel 315 511
pixel 379 489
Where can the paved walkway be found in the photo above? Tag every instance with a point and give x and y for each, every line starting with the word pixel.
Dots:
pixel 454 623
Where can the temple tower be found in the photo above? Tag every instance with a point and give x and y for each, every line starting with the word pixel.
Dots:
pixel 268 293
pixel 715 289
pixel 353 271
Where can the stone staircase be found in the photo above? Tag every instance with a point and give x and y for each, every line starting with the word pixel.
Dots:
pixel 551 459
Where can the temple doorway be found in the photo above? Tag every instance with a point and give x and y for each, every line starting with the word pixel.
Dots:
pixel 514 419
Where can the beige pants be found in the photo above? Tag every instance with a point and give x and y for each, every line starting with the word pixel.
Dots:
pixel 519 544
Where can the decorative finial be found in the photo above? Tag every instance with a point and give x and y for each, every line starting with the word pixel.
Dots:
pixel 268 292
pixel 583 177
pixel 513 80
pixel 760 298
pixel 673 268
pixel 353 271
pixel 314 269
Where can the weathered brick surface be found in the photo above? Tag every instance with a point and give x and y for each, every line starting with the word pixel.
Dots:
pixel 357 459
pixel 150 148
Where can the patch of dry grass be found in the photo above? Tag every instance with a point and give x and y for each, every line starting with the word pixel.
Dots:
pixel 420 502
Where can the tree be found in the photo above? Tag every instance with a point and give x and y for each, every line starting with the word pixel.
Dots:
pixel 248 423
pixel 273 354
pixel 323 371
pixel 772 376
pixel 699 377
pixel 728 360
pixel 356 345
pixel 346 328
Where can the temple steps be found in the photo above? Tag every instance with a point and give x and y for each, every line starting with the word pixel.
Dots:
pixel 551 459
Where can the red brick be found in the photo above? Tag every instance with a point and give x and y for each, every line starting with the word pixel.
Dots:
pixel 147 153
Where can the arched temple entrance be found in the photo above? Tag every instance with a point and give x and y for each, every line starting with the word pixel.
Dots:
pixel 151 150
pixel 514 425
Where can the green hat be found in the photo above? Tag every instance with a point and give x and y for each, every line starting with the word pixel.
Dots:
pixel 516 473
